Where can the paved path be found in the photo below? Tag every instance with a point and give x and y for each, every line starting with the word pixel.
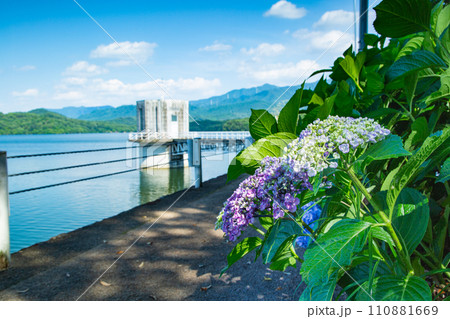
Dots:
pixel 179 258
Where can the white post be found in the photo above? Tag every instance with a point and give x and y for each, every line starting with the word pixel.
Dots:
pixel 5 257
pixel 197 161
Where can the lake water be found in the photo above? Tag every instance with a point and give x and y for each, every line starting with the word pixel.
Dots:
pixel 39 215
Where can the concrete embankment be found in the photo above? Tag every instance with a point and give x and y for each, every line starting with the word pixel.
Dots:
pixel 178 258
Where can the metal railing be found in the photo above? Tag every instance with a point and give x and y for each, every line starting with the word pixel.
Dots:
pixel 213 135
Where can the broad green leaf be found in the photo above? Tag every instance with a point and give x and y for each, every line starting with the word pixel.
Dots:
pixel 444 90
pixel 419 132
pixel 375 83
pixel 353 66
pixel 272 145
pixel 416 61
pixel 398 18
pixel 288 118
pixel 241 249
pixel 413 167
pixel 381 234
pixel 320 291
pixel 390 147
pixel 334 250
pixel 262 124
pixel 315 99
pixel 266 222
pixel 283 257
pixel 413 44
pixel 381 112
pixel 444 174
pixel 410 218
pixel 443 20
pixel 370 39
pixel 395 288
pixel 326 107
pixel 282 230
pixel 235 169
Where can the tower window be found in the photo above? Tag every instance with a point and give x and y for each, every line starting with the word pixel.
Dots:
pixel 174 118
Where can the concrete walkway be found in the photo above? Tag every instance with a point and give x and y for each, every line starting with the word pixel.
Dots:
pixel 178 258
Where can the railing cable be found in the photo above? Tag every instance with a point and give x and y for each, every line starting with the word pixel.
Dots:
pixel 75 166
pixel 82 179
pixel 73 152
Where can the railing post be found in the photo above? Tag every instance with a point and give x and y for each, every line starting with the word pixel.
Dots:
pixel 197 161
pixel 5 257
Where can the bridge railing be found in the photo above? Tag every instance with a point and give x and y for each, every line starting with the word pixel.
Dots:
pixel 212 135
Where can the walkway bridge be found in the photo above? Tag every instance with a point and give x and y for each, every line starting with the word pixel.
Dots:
pixel 184 149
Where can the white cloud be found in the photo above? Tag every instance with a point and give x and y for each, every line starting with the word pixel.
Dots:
pixel 27 68
pixel 69 96
pixel 26 93
pixel 286 9
pixel 336 18
pixel 84 68
pixel 119 63
pixel 116 92
pixel 139 51
pixel 217 46
pixel 336 40
pixel 280 73
pixel 265 49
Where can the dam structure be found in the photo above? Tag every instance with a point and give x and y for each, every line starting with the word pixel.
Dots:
pixel 165 140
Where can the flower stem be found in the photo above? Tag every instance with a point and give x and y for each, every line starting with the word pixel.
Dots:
pixel 291 248
pixel 385 219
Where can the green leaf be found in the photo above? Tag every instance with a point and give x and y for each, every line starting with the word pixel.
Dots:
pixel 381 112
pixel 272 145
pixel 320 291
pixel 241 249
pixel 412 168
pixel 284 257
pixel 370 39
pixel 413 44
pixel 326 107
pixel 443 20
pixel 444 174
pixel 353 67
pixel 235 169
pixel 395 288
pixel 266 222
pixel 334 250
pixel 375 83
pixel 381 234
pixel 288 118
pixel 390 147
pixel 416 61
pixel 410 218
pixel 282 230
pixel 444 90
pixel 419 132
pixel 398 18
pixel 262 124
pixel 315 99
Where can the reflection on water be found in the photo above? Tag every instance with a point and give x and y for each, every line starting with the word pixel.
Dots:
pixel 155 183
pixel 39 215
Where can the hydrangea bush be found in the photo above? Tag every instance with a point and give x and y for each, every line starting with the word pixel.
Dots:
pixel 354 173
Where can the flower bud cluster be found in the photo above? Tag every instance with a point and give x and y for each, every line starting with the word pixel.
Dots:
pixel 323 142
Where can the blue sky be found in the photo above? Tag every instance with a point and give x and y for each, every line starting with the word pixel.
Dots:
pixel 55 55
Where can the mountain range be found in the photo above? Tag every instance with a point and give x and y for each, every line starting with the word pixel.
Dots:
pixel 235 104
